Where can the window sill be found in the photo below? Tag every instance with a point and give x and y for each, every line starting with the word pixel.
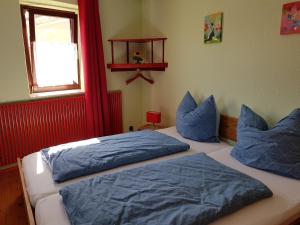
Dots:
pixel 56 94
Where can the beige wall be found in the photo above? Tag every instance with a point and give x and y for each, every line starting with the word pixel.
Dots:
pixel 13 78
pixel 118 18
pixel 253 65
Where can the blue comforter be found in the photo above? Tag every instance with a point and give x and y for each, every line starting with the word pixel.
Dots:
pixel 191 190
pixel 94 155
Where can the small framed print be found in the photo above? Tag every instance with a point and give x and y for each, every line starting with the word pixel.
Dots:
pixel 213 28
pixel 290 21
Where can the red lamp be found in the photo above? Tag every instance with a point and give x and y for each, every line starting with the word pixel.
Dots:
pixel 153 117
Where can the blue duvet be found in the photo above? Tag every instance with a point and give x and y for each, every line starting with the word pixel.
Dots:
pixel 191 190
pixel 94 155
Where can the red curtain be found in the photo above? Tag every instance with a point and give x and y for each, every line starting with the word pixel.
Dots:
pixel 96 96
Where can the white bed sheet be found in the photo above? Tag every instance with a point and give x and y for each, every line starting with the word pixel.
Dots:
pixel 284 204
pixel 39 182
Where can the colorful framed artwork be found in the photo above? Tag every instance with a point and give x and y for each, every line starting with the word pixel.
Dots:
pixel 290 21
pixel 213 28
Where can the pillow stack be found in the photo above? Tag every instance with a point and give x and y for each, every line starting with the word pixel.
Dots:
pixel 199 123
pixel 276 150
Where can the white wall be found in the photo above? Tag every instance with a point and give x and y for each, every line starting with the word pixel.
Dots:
pixel 253 65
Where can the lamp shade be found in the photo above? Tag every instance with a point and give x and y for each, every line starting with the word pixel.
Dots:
pixel 153 117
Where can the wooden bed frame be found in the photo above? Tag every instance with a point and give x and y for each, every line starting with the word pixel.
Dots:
pixel 30 217
pixel 227 131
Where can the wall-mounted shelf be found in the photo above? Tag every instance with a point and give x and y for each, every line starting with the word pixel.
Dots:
pixel 128 66
pixel 134 67
pixel 137 40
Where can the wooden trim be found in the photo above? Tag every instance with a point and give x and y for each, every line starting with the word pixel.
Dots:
pixel 30 216
pixel 228 127
pixel 32 68
pixel 26 47
pixel 74 30
pixel 293 220
pixel 29 50
pixel 31 27
pixel 37 89
pixel 9 168
pixel 50 12
pixel 151 127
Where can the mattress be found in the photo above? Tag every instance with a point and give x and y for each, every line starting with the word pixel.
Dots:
pixel 38 177
pixel 284 204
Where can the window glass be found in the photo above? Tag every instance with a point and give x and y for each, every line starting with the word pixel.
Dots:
pixel 51 29
pixel 56 64
pixel 50 39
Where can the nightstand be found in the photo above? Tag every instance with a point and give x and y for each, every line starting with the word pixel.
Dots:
pixel 151 127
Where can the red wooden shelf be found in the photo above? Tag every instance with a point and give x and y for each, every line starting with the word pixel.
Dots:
pixel 136 40
pixel 134 67
pixel 128 66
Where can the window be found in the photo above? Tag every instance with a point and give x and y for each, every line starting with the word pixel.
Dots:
pixel 51 49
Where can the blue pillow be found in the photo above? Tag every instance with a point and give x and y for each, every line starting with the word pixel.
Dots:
pixel 276 150
pixel 199 123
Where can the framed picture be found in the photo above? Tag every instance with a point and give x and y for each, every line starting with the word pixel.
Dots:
pixel 290 21
pixel 213 28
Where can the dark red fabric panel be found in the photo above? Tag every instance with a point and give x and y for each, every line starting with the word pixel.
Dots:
pixel 97 110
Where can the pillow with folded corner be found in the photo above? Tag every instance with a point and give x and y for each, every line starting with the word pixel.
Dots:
pixel 276 150
pixel 199 123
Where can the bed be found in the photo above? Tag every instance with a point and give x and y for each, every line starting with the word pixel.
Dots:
pixel 38 177
pixel 37 180
pixel 281 209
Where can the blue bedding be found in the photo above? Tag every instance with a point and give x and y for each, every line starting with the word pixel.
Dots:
pixel 95 155
pixel 191 190
pixel 275 150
